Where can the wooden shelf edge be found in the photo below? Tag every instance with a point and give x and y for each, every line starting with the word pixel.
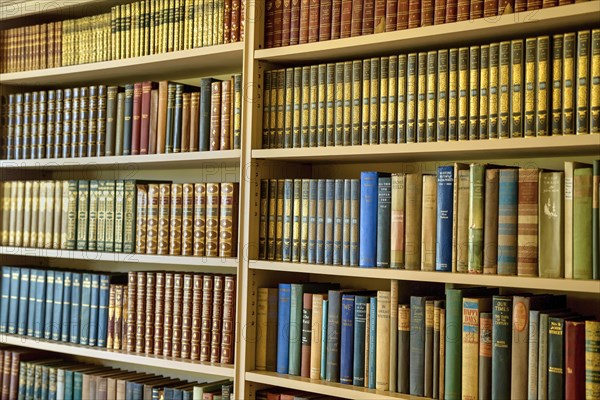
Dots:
pixel 195 367
pixel 521 282
pixel 437 36
pixel 323 387
pixel 173 160
pixel 224 262
pixel 179 64
pixel 477 149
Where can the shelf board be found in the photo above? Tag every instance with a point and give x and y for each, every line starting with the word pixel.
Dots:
pixel 521 282
pixel 195 367
pixel 148 161
pixel 223 262
pixel 579 145
pixel 220 59
pixel 323 387
pixel 438 36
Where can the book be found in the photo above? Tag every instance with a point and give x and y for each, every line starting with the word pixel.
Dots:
pixel 445 212
pixel 476 218
pixel 527 222
pixel 551 225
pixel 368 219
pixel 397 226
pixel 428 231
pixel 591 354
pixel 472 308
pixel 582 213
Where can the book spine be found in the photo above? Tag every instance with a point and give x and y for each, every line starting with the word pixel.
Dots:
pixel 595 82
pixel 404 329
pixel 490 229
pixel 307 301
pixel 368 219
pixel 175 219
pixel 332 370
pixel 417 346
pixel 402 97
pixel 476 220
pixel 228 333
pixel 452 117
pixel 381 117
pixel 463 93
pixel 413 214
pixel 569 83
pixel 592 332
pixel 360 326
pixel 212 219
pixel 421 97
pixel 504 90
pixel 305 206
pixel 445 213
pixel 317 327
pixel 383 218
pixel 347 339
pixel 507 222
pixel 158 326
pixel 382 366
pixel 582 232
pixel 428 226
pixel 354 221
pixel 164 202
pixel 283 328
pixel 295 337
pixel 527 222
pixel 485 356
pixel 556 361
pixel 432 66
pixel 370 371
pixel 288 199
pixel 397 221
pixel 542 87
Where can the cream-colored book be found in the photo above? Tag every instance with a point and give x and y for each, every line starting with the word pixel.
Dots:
pixel 12 229
pixel 428 226
pixel 382 369
pixel 393 335
pixel 315 345
pixel 42 215
pixel 49 227
pixel 6 193
pixel 20 214
pixel 35 207
pixel 64 217
pixel 58 192
pixel 27 214
pixel 412 243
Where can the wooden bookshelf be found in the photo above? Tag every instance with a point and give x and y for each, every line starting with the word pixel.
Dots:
pixel 133 359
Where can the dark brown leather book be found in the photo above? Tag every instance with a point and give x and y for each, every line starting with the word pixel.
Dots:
pixel 476 9
pixel 175 219
pixel 295 22
pixel 414 13
pixel 336 18
pixel 185 123
pixel 521 5
pixel 149 312
pixel 346 19
pixel 357 18
pixel 168 314
pixel 463 8
pixel 159 313
pixel 226 131
pixel 217 318
pixel 196 314
pixel 194 120
pixel 228 220
pixel 277 22
pixel 140 313
pixel 490 8
pixel 314 21
pixel 439 12
pixel 212 219
pixel 549 3
pixel 145 117
pixel 236 8
pixel 120 312
pixel 215 116
pixel 427 11
pixel 379 22
pixel 226 4
pixel 228 333
pixel 164 204
pixel 269 22
pixel 304 21
pixel 157 142
pixel 451 10
pixel 187 220
pixel 325 21
pixel 131 310
pixel 207 308
pixel 136 118
pixel 391 15
pixel 368 23
pixel 286 22
pixel 402 20
pixel 177 313
pixel 186 316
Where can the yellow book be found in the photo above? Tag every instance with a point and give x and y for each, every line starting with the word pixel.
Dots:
pixel 484 92
pixel 582 101
pixel 27 214
pixel 516 89
pixel 20 212
pixel 35 206
pixel 41 226
pixel 50 204
pixel 384 73
pixel 569 81
pixel 474 71
pixel 463 93
pixel 542 89
pixel 595 83
pixel 432 65
pixel 6 203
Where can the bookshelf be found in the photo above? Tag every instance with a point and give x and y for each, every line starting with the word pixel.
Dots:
pixel 251 163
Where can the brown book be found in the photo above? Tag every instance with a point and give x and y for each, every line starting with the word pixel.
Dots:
pixel 152 219
pixel 212 219
pixel 215 116
pixel 368 23
pixel 153 124
pixel 187 219
pixel 490 244
pixel 304 21
pixel 346 19
pixel 520 5
pixel 199 243
pixel 145 117
pixel 228 218
pixel 226 20
pixel 402 19
pixel 110 330
pixel 451 10
pixel 159 316
pixel 164 202
pixel 269 22
pixel 194 120
pixel 476 9
pixel 226 131
pixel 463 10
pixel 286 22
pixel 136 118
pixel 167 349
pixel 217 318
pixel 379 15
pixel 120 295
pixel 186 316
pixel 131 310
pixel 414 13
pixel 185 122
pixel 177 314
pixel 534 5
pixel 157 144
pixel 427 11
pixel 277 23
pixel 527 222
pixel 206 323
pixel 196 317
pixel 549 3
pixel 124 317
pixel 506 7
pixel 357 18
pixel 314 20
pixel 336 19
pixel 236 19
pixel 229 318
pixel 295 22
pixel 175 219
pixel 391 15
pixel 490 8
pixel 141 219
pixel 439 13
pixel 140 313
pixel 325 20
pixel 149 312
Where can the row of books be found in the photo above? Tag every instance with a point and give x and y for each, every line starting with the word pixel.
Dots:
pixel 141 118
pixel 474 218
pixel 500 90
pixel 30 374
pixel 472 343
pixel 174 314
pixel 128 30
pixel 298 22
pixel 288 394
pixel 123 216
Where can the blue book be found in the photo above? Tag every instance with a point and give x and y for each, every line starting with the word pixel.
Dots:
pixel 312 222
pixel 103 310
pixel 347 217
pixel 5 299
pixel 338 222
pixel 13 309
pixel 49 308
pixel 368 219
pixel 329 221
pixel 23 302
pixel 94 303
pixel 372 341
pixel 77 385
pixel 66 309
pixel 45 382
pixel 417 345
pixel 168 394
pixel 507 221
pixel 33 274
pixel 334 316
pixel 59 277
pixel 384 217
pixel 321 188
pixel 40 304
pixel 283 328
pixel 445 212
pixel 360 326
pixel 84 313
pixel 137 391
pixel 354 221
pixel 69 389
pixel 75 307
pixel 347 340
pixel 324 338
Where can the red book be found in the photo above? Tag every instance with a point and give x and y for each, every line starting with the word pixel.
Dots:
pixel 368 17
pixel 534 5
pixel 451 6
pixel 490 8
pixel 137 118
pixel 476 9
pixel 402 22
pixel 269 22
pixel 277 22
pixel 391 15
pixel 427 12
pixel 357 18
pixel 286 23
pixel 414 13
pixel 336 19
pixel 304 21
pixel 346 23
pixel 306 335
pixel 325 20
pixel 520 5
pixel 439 13
pixel 145 124
pixel 575 359
pixel 506 7
pixel 379 24
pixel 314 20
pixel 295 23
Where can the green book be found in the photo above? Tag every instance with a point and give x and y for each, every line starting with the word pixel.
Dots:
pixel 93 216
pixel 130 199
pixel 551 225
pixel 118 216
pixel 476 190
pixel 582 223
pixel 83 194
pixel 596 221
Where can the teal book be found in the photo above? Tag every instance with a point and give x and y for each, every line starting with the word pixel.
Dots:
pixel 45 382
pixel 324 338
pixel 501 346
pixel 360 326
pixel 103 310
pixel 66 309
pixel 372 341
pixel 55 330
pixel 86 300
pixel 40 304
pixel 33 274
pixel 23 301
pixel 49 308
pixel 94 303
pixel 69 387
pixel 5 299
pixel 13 309
pixel 75 308
pixel 77 385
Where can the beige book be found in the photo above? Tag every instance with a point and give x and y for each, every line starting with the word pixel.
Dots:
pixel 27 214
pixel 12 229
pixel 412 247
pixel 462 223
pixel 382 369
pixel 315 345
pixel 397 221
pixel 58 192
pixel 35 215
pixel 64 217
pixel 429 220
pixel 393 335
pixel 41 226
pixel 49 227
pixel 457 168
pixel 20 213
pixel 570 167
pixel 6 192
